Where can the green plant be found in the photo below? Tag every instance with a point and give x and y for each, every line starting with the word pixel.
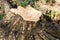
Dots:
pixel 24 3
pixel 50 2
pixel 36 6
pixel 50 13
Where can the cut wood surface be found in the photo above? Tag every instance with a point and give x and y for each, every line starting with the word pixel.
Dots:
pixel 28 13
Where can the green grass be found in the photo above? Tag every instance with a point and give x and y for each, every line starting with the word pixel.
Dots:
pixel 24 3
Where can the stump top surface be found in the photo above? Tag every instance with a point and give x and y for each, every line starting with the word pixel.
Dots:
pixel 28 13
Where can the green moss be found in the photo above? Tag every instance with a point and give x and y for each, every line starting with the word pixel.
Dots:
pixel 1 16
